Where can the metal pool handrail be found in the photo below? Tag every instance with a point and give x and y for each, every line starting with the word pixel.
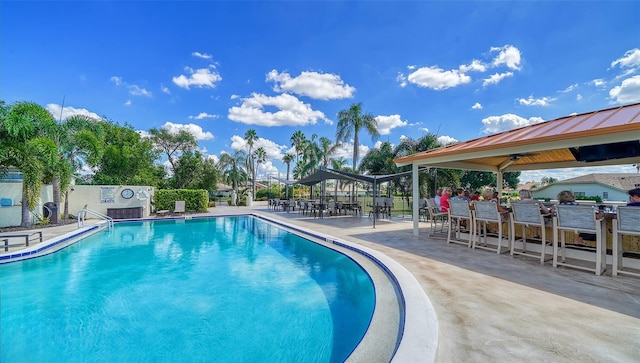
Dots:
pixel 83 213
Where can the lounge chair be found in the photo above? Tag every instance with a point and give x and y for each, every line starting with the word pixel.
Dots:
pixel 179 208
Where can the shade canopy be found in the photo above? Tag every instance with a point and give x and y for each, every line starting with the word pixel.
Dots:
pixel 324 174
pixel 605 137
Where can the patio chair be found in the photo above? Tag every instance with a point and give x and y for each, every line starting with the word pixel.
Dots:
pixel 627 223
pixel 435 215
pixel 486 213
pixel 578 218
pixel 460 217
pixel 179 207
pixel 528 216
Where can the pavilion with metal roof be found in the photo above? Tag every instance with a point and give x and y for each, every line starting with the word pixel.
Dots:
pixel 604 137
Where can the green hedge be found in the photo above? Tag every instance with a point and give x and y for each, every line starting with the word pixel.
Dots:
pixel 195 199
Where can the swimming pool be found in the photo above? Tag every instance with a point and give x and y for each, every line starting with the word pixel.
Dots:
pixel 221 289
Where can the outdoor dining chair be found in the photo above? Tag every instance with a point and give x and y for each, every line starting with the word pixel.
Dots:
pixel 460 221
pixel 487 213
pixel 436 216
pixel 579 218
pixel 627 223
pixel 528 216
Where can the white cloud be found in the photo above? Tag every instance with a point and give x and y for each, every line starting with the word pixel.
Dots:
pixel 446 140
pixel 631 59
pixel 116 80
pixel 203 115
pixel 508 55
pixel 475 65
pixel 628 91
pixel 578 97
pixel 291 111
pixel 496 78
pixel 402 79
pixel 68 111
pixel 494 124
pixel 570 88
pixel 128 103
pixel 387 123
pixel 201 78
pixel 544 101
pixel 134 90
pixel 437 78
pixel 165 89
pixel 273 150
pixel 476 106
pixel 137 91
pixel 201 55
pixel 193 129
pixel 322 86
pixel 346 152
pixel 599 82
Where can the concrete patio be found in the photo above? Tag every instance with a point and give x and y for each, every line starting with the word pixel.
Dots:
pixel 493 307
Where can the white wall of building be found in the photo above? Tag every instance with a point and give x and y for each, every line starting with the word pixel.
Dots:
pixel 95 197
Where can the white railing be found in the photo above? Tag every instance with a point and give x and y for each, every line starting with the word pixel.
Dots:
pixel 83 213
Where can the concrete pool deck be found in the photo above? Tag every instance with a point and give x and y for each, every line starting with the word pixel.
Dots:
pixel 493 307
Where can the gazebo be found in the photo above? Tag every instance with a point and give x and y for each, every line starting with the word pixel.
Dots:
pixel 604 137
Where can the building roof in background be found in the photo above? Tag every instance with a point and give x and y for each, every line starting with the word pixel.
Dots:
pixel 622 181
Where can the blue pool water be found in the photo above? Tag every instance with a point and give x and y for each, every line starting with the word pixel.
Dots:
pixel 233 289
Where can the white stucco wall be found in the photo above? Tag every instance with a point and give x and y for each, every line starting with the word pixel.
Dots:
pixel 79 197
pixel 12 216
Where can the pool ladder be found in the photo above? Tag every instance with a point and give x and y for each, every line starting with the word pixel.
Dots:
pixel 82 214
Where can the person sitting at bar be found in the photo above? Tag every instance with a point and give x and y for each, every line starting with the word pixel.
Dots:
pixel 566 197
pixel 634 198
pixel 444 199
pixel 437 198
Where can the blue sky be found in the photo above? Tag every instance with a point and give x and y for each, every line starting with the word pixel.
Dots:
pixel 458 69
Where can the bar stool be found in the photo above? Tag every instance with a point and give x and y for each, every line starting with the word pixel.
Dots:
pixel 528 215
pixel 459 212
pixel 485 213
pixel 627 223
pixel 578 218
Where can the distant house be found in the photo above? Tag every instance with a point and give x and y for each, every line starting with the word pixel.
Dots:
pixel 610 187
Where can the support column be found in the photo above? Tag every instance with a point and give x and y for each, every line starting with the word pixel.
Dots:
pixel 416 199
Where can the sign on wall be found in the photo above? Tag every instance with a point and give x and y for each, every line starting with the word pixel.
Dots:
pixel 107 195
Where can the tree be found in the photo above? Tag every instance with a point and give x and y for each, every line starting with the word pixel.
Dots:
pixel 287 159
pixel 327 150
pixel 79 139
pixel 232 167
pixel 351 122
pixel 298 141
pixel 25 146
pixel 127 158
pixel 172 144
pixel 250 136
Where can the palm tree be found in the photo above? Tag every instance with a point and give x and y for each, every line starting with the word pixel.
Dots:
pixel 232 168
pixel 287 159
pixel 250 136
pixel 25 146
pixel 79 140
pixel 327 150
pixel 260 155
pixel 298 140
pixel 351 122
